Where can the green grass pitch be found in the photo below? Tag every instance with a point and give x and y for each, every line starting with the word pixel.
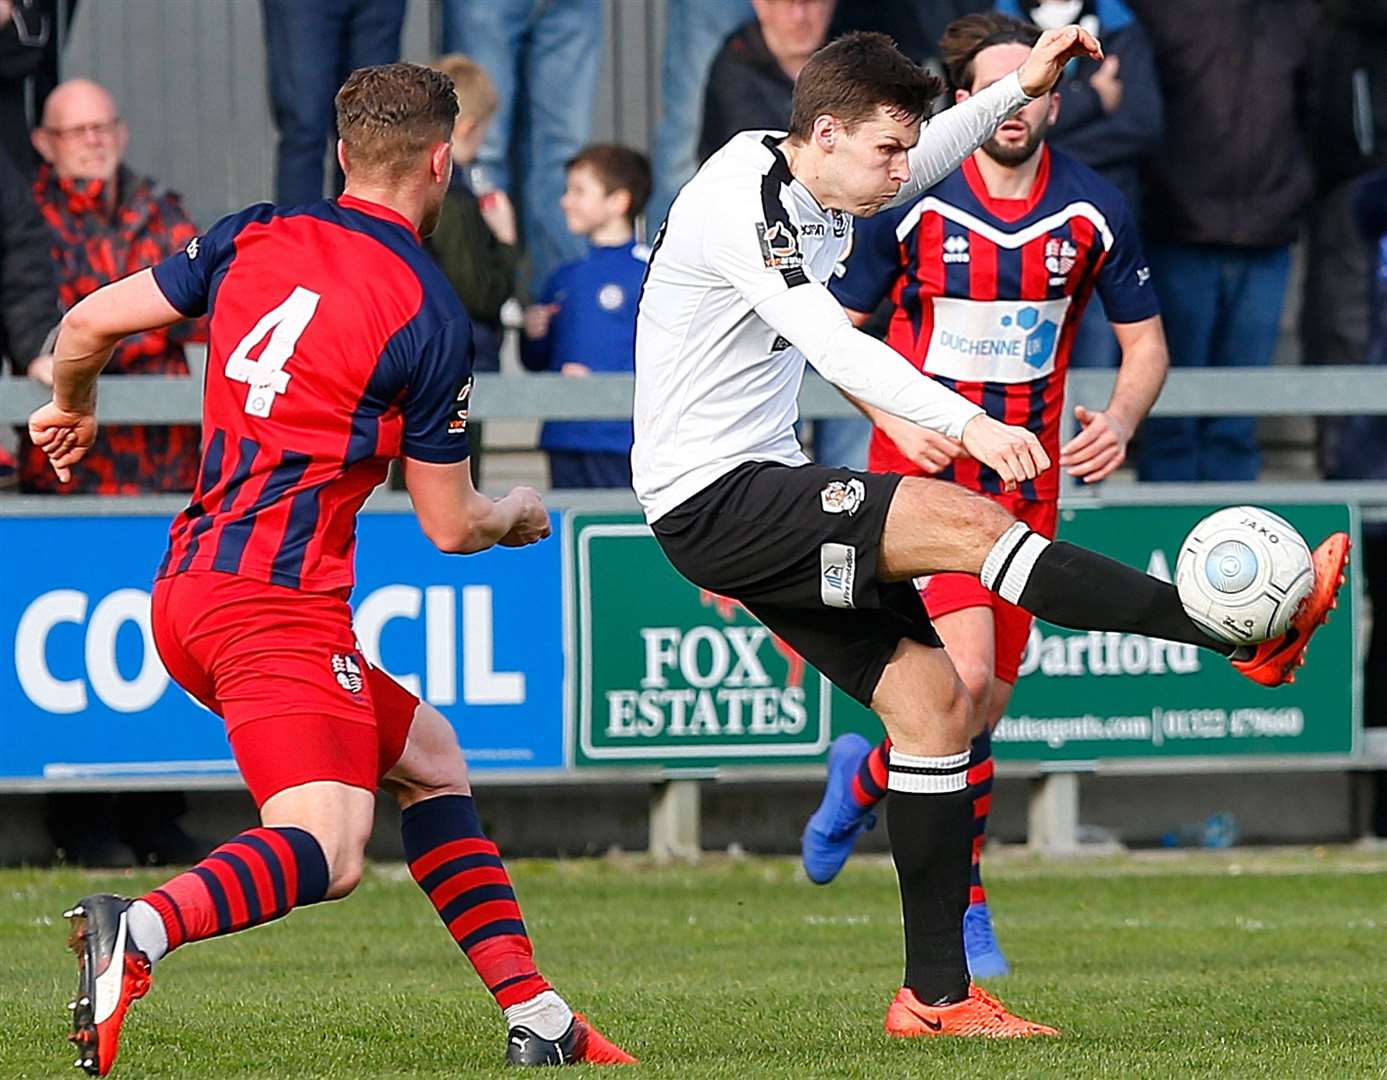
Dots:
pixel 1231 964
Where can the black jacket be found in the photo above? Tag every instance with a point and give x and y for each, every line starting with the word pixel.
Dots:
pixel 747 90
pixel 28 286
pixel 1233 167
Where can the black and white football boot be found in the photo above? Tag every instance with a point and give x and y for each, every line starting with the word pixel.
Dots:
pixel 111 973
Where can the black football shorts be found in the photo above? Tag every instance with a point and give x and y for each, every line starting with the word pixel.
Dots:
pixel 799 546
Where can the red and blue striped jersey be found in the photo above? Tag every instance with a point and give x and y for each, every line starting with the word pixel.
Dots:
pixel 988 294
pixel 335 345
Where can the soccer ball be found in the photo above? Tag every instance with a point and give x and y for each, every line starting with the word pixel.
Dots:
pixel 1242 573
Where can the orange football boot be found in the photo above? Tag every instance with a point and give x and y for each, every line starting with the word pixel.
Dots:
pixel 1274 661
pixel 979 1014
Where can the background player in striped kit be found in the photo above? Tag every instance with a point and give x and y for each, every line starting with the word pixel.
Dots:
pixel 1020 232
pixel 336 345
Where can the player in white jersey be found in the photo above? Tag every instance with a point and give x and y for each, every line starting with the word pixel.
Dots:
pixel 733 306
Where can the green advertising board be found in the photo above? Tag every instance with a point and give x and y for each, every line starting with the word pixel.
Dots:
pixel 666 673
pixel 662 673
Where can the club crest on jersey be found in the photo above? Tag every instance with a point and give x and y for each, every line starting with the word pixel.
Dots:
pixel 347 672
pixel 779 246
pixel 843 496
pixel 956 249
pixel 610 297
pixel 840 224
pixel 1059 259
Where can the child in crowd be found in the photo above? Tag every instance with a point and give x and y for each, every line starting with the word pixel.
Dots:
pixel 585 317
pixel 475 242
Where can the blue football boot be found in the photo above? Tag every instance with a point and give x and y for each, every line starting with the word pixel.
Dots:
pixel 834 827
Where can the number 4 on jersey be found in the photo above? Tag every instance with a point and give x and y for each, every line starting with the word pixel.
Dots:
pixel 265 374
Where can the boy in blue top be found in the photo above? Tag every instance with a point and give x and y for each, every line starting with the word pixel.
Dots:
pixel 585 317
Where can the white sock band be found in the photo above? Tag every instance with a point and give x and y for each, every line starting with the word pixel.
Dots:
pixel 1008 565
pixel 916 775
pixel 147 931
pixel 546 1014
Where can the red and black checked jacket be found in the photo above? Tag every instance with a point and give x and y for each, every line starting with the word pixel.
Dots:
pixel 92 246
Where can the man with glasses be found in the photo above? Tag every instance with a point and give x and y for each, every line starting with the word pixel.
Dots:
pixel 106 222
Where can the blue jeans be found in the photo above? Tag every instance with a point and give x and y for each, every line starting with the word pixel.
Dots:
pixel 842 442
pixel 313 45
pixel 543 56
pixel 576 469
pixel 1095 345
pixel 1222 308
pixel 694 31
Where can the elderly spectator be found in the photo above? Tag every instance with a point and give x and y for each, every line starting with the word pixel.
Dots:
pixel 753 75
pixel 31 35
pixel 542 56
pixel 106 222
pixel 313 46
pixel 1229 189
pixel 1111 119
pixel 694 32
pixel 28 293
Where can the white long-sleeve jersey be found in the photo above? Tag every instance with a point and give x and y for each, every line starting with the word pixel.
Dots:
pixel 734 305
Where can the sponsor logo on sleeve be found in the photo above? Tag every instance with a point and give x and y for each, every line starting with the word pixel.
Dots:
pixel 1143 275
pixel 837 572
pixel 843 496
pixel 457 424
pixel 193 246
pixel 779 246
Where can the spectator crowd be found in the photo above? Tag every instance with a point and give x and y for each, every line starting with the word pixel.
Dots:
pixel 1236 131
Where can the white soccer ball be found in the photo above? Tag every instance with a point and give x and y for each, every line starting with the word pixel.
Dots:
pixel 1241 574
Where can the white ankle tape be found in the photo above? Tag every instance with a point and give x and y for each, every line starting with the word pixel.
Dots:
pixel 1008 565
pixel 917 775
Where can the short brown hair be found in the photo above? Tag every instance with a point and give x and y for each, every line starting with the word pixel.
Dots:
pixel 855 74
pixel 477 97
pixel 388 115
pixel 964 38
pixel 618 168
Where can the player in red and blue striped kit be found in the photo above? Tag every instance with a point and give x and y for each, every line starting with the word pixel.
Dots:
pixel 335 346
pixel 988 273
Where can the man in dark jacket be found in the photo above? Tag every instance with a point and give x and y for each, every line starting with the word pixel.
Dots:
pixel 28 292
pixel 753 75
pixel 1111 118
pixel 1229 188
pixel 32 33
pixel 105 222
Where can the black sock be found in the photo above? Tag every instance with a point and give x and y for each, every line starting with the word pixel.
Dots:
pixel 1082 590
pixel 929 820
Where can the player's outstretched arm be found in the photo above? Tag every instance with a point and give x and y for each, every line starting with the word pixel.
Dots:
pixel 812 321
pixel 65 428
pixel 460 520
pixel 945 140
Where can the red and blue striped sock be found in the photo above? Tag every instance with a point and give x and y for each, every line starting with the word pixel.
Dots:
pixel 980 770
pixel 260 875
pixel 462 873
pixel 869 785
